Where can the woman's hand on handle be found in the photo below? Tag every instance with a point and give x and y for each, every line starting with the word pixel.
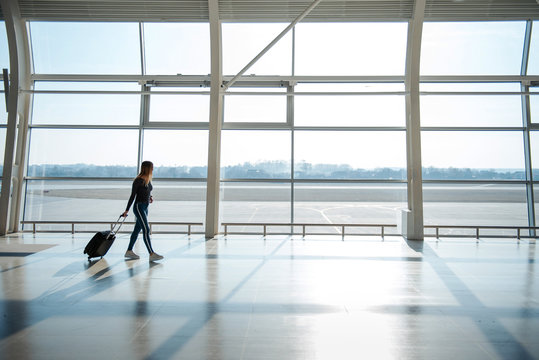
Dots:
pixel 124 214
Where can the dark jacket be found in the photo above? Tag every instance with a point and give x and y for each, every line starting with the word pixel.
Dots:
pixel 140 192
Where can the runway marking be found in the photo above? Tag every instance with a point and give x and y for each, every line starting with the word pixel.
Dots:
pixel 252 216
pixel 328 220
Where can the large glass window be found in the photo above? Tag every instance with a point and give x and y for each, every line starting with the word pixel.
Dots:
pixel 326 152
pixel 472 48
pixel 350 48
pixel 177 153
pixel 242 42
pixel 332 108
pixel 86 109
pixel 83 153
pixel 186 107
pixel 349 154
pixel 472 155
pixel 177 48
pixel 85 48
pixel 471 110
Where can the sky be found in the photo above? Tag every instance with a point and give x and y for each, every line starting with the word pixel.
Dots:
pixel 321 49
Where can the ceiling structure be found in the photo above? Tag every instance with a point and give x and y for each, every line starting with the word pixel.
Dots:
pixel 274 10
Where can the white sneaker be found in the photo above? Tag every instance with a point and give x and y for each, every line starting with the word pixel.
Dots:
pixel 131 255
pixel 155 256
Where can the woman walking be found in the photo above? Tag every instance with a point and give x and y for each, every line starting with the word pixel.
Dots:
pixel 141 194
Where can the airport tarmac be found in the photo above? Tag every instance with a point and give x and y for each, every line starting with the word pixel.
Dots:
pixel 481 204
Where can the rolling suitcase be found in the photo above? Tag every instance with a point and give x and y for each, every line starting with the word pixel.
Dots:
pixel 102 241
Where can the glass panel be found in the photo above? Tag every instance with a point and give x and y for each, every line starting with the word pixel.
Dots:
pixel 536 205
pixel 336 203
pixel 3 112
pixel 180 107
pixel 471 110
pixel 85 200
pixel 474 155
pixel 2 148
pixel 472 48
pixel 178 201
pixel 4 47
pixel 255 108
pixel 468 204
pixel 533 60
pixel 350 48
pixel 83 153
pixel 86 109
pixel 85 48
pixel 534 149
pixel 242 42
pixel 79 200
pixel 177 153
pixel 470 87
pixel 177 48
pixel 349 110
pixel 534 106
pixel 350 155
pixel 249 154
pixel 255 202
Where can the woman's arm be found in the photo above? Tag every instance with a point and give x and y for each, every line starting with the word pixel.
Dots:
pixel 134 190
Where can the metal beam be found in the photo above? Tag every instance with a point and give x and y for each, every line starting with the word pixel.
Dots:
pixel 273 42
pixel 216 115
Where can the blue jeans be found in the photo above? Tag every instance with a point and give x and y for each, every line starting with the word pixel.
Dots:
pixel 141 214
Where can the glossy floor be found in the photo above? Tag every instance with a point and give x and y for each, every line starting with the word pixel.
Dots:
pixel 246 297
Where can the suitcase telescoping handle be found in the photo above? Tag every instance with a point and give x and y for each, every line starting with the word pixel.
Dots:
pixel 119 224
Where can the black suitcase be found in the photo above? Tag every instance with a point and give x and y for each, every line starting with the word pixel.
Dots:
pixel 102 241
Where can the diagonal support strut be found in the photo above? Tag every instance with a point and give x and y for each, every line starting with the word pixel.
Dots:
pixel 270 45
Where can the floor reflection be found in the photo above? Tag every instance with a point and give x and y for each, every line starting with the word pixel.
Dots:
pixel 275 298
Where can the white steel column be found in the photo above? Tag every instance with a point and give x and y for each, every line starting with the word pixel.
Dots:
pixel 526 122
pixel 413 218
pixel 216 115
pixel 17 122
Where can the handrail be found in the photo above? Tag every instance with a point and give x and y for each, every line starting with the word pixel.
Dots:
pixel 383 226
pixel 486 227
pixel 305 225
pixel 111 223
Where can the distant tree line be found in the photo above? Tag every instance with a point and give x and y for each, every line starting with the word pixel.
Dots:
pixel 432 173
pixel 274 170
